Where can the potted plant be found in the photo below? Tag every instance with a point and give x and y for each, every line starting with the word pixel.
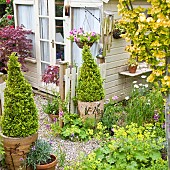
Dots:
pixel 132 65
pixel 90 92
pixel 41 157
pixel 118 30
pixel 81 38
pixel 52 106
pixel 20 118
pixel 51 75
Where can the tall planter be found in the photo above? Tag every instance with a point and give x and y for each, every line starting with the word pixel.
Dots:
pixel 91 109
pixel 20 117
pixel 90 86
pixel 16 149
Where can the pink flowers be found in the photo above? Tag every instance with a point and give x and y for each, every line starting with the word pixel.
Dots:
pixel 81 36
pixel 8 1
pixel 9 17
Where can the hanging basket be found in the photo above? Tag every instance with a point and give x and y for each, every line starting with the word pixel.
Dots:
pixel 81 44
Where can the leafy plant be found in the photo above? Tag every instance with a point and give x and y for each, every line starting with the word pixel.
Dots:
pixel 75 129
pixel 51 75
pixel 8 17
pixel 144 104
pixel 132 62
pixel 14 40
pixel 61 156
pixel 39 153
pixel 113 113
pixel 52 106
pixel 118 30
pixel 2 1
pixel 20 118
pixel 90 87
pixel 81 36
pixel 133 147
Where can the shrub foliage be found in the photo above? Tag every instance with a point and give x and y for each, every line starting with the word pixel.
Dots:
pixel 90 86
pixel 20 118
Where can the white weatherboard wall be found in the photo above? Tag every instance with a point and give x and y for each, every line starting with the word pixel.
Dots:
pixel 116 60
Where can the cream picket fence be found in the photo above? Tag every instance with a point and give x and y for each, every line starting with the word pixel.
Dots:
pixel 70 78
pixel 67 90
pixel 2 87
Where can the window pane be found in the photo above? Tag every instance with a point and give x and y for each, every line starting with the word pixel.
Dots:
pixel 43 67
pixel 43 7
pixel 44 28
pixel 59 4
pixel 59 52
pixel 26 18
pixel 44 48
pixel 59 31
pixel 32 37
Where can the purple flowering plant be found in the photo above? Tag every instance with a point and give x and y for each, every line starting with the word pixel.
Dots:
pixel 81 36
pixel 39 153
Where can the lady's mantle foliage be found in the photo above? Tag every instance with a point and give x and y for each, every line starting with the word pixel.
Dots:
pixel 90 87
pixel 20 118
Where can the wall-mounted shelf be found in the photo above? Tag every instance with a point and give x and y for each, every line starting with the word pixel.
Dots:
pixel 138 72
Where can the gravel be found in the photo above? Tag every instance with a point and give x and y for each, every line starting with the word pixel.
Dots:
pixel 72 150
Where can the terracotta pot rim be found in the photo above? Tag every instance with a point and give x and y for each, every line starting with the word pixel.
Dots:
pixel 91 102
pixel 51 164
pixel 8 137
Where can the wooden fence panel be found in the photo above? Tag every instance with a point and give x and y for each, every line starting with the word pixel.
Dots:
pixel 73 90
pixel 2 87
pixel 71 82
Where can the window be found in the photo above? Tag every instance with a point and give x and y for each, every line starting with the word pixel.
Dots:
pixel 25 14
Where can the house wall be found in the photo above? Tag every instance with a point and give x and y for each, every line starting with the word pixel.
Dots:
pixel 116 60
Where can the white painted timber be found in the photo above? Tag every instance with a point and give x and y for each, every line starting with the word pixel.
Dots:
pixel 2 87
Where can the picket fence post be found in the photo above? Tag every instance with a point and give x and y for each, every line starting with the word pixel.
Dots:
pixel 71 81
pixel 2 87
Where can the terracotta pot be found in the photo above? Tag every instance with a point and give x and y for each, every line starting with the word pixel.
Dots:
pixel 16 150
pixel 80 44
pixel 50 166
pixel 53 117
pixel 116 33
pixel 91 109
pixel 132 69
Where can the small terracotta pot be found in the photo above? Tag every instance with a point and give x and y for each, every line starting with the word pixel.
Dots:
pixel 50 166
pixel 132 69
pixel 53 117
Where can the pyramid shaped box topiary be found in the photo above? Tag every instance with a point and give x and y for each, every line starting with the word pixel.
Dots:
pixel 20 118
pixel 90 83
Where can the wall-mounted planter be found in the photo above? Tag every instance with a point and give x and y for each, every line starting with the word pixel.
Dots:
pixel 116 34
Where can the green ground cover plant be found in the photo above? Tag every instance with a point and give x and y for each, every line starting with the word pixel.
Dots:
pixel 75 129
pixel 133 147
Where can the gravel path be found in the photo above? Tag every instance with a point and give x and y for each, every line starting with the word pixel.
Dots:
pixel 72 150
